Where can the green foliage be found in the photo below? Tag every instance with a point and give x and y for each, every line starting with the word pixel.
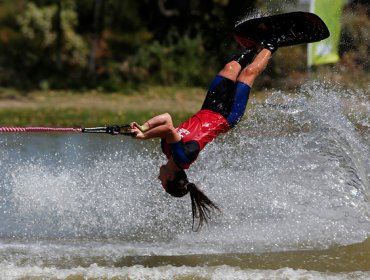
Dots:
pixel 37 27
pixel 75 49
pixel 180 60
pixel 132 43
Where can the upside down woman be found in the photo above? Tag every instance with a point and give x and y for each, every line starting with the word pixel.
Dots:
pixel 222 109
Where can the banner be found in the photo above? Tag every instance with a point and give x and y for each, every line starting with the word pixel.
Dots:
pixel 326 51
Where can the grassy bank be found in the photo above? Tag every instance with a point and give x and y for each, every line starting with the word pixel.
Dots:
pixel 63 108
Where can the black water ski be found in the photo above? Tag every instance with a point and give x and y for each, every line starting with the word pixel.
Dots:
pixel 285 29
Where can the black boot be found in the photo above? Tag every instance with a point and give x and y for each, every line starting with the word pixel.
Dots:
pixel 244 57
pixel 271 46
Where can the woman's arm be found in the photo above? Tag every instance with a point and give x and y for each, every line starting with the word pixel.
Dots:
pixel 159 126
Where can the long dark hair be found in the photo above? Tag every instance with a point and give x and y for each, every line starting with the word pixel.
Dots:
pixel 201 205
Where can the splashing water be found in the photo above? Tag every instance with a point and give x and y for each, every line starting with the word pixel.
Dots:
pixel 294 174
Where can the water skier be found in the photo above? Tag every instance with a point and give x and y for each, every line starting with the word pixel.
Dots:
pixel 222 109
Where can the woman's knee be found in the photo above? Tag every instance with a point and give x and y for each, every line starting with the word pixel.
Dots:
pixel 258 65
pixel 230 70
pixel 251 70
pixel 249 74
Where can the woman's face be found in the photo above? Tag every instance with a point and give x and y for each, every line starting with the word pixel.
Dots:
pixel 165 174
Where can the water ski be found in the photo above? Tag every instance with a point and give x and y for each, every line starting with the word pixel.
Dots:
pixel 285 29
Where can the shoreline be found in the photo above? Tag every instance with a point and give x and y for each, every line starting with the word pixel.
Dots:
pixel 93 108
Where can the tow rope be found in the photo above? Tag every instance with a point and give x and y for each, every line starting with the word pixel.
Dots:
pixel 113 130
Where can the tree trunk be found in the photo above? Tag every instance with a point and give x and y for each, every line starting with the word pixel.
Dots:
pixel 58 24
pixel 98 10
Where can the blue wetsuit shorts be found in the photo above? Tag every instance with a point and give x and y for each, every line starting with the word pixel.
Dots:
pixel 227 98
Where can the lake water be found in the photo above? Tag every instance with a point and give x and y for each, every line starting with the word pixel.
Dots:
pixel 292 181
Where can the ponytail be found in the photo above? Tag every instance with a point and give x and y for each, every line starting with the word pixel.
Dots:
pixel 201 205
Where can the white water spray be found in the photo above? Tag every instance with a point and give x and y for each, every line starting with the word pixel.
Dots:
pixel 293 174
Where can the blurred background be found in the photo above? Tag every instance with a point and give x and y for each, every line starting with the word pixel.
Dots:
pixel 120 45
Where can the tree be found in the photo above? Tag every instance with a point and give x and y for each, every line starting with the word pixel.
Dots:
pixel 50 39
pixel 97 27
pixel 58 28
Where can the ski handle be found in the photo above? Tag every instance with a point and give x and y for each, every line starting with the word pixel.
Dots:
pixel 113 130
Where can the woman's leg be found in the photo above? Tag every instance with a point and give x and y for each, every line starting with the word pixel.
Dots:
pixel 243 86
pixel 222 89
pixel 239 103
pixel 232 69
pixel 253 70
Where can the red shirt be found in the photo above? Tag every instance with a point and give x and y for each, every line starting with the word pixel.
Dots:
pixel 202 127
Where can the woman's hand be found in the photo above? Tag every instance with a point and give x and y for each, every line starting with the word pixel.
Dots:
pixel 137 129
pixel 160 126
pixel 140 127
